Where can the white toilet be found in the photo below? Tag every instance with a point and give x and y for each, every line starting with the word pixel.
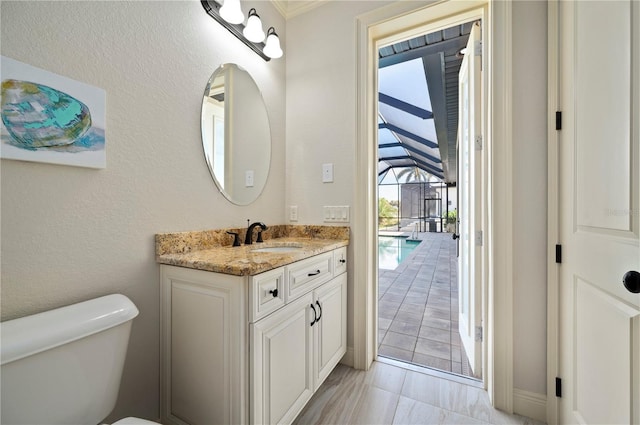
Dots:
pixel 64 366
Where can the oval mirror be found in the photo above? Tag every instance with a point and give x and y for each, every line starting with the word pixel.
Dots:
pixel 235 134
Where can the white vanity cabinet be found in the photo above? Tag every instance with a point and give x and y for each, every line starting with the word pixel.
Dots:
pixel 250 349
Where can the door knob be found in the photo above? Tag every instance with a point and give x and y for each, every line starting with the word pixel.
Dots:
pixel 631 280
pixel 455 236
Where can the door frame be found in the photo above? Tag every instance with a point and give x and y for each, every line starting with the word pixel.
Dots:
pixel 384 24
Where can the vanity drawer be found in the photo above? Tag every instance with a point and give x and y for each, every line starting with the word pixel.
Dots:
pixel 266 293
pixel 340 261
pixel 307 274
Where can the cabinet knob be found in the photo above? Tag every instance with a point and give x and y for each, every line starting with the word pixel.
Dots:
pixel 342 260
pixel 274 292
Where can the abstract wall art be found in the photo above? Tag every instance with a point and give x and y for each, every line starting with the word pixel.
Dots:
pixel 50 118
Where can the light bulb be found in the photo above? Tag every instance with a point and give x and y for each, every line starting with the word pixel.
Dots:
pixel 231 12
pixel 272 45
pixel 253 31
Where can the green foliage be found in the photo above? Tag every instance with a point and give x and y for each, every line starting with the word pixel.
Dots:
pixel 451 216
pixel 387 213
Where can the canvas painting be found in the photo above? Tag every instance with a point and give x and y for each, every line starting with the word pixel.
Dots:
pixel 50 118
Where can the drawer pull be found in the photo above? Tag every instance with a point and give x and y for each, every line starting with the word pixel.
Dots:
pixel 342 260
pixel 274 292
pixel 317 272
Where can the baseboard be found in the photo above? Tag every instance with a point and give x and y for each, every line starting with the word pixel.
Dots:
pixel 347 359
pixel 531 405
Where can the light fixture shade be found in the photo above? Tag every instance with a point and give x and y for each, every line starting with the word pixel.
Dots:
pixel 231 12
pixel 253 31
pixel 272 45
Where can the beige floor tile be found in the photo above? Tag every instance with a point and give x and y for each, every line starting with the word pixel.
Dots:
pixel 386 377
pixel 376 406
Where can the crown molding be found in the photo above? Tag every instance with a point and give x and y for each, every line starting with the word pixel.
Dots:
pixel 289 8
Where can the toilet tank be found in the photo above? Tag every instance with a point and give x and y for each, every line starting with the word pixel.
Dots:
pixel 64 366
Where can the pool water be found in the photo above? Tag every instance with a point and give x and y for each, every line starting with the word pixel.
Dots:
pixel 393 250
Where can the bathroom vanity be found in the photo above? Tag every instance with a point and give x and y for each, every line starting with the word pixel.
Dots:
pixel 249 333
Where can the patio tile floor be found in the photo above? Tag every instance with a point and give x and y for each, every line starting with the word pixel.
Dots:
pixel 418 307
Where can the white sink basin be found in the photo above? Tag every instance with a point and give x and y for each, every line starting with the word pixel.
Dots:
pixel 279 248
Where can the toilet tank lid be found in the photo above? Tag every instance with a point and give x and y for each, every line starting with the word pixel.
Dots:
pixel 30 335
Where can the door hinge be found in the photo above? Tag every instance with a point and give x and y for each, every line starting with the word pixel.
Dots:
pixel 558 387
pixel 478 333
pixel 558 120
pixel 479 142
pixel 477 48
pixel 559 254
pixel 478 237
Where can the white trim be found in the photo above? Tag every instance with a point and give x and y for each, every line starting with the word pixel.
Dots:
pixel 381 26
pixel 531 405
pixel 347 359
pixel 289 9
pixel 553 233
pixel 500 264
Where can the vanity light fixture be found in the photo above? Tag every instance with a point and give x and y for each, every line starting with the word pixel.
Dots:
pixel 253 31
pixel 272 47
pixel 232 12
pixel 252 35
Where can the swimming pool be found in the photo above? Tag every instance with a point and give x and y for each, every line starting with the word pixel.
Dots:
pixel 392 250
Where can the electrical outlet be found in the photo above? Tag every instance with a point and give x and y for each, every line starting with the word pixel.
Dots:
pixel 293 213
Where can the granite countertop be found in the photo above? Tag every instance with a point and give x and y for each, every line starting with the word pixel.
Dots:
pixel 211 250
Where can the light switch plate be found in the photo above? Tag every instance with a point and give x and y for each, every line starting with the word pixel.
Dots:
pixel 327 173
pixel 336 214
pixel 248 178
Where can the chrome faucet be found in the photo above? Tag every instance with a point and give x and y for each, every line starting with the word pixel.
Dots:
pixel 248 240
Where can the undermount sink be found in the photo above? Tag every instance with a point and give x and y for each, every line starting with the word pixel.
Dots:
pixel 279 248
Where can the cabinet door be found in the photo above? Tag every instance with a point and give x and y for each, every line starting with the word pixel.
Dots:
pixel 281 363
pixel 203 345
pixel 330 331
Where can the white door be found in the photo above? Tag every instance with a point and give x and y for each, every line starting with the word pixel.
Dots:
pixel 470 216
pixel 599 330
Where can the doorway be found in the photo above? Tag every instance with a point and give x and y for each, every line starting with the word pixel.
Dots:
pixel 400 21
pixel 424 85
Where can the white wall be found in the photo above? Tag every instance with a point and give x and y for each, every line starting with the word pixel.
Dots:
pixel 530 195
pixel 70 234
pixel 321 127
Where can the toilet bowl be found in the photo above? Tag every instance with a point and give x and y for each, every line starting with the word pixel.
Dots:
pixel 64 366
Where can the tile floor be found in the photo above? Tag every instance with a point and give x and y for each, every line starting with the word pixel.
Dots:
pixel 418 307
pixel 390 394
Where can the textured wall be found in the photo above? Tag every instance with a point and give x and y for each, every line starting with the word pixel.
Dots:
pixel 70 234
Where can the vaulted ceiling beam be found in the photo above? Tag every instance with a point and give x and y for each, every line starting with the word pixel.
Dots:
pixel 418 163
pixel 404 106
pixel 456 43
pixel 408 134
pixel 411 149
